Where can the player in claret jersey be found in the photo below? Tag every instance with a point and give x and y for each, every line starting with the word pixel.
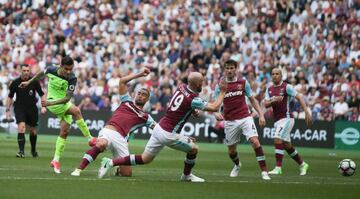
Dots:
pixel 238 119
pixel 126 119
pixel 166 133
pixel 278 97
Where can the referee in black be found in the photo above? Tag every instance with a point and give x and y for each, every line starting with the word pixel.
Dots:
pixel 26 111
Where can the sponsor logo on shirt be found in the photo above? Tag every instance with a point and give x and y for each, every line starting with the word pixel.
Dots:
pixel 233 94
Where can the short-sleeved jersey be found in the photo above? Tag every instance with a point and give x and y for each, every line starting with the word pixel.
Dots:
pixel 25 97
pixel 128 117
pixel 281 109
pixel 234 104
pixel 183 102
pixel 58 86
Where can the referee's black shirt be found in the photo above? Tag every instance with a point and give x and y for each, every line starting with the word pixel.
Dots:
pixel 25 97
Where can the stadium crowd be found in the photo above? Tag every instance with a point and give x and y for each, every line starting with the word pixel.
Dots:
pixel 315 43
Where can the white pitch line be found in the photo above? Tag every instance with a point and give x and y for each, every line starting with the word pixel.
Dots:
pixel 49 178
pixel 169 180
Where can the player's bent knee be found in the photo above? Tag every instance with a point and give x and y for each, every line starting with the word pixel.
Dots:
pixel 194 150
pixel 64 133
pixel 21 127
pixel 77 111
pixel 101 144
pixel 147 158
pixel 255 142
pixel 232 149
pixel 278 141
pixel 32 130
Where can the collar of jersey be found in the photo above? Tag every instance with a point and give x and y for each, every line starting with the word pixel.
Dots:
pixel 235 79
pixel 190 89
pixel 278 84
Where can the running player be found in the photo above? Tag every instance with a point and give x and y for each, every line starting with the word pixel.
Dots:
pixel 166 133
pixel 238 119
pixel 126 119
pixel 278 97
pixel 60 89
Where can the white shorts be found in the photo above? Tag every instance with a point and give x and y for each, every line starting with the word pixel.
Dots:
pixel 116 142
pixel 283 128
pixel 161 138
pixel 233 130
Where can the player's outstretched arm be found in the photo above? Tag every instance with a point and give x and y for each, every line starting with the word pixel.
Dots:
pixel 64 100
pixel 38 76
pixel 214 106
pixel 124 80
pixel 308 117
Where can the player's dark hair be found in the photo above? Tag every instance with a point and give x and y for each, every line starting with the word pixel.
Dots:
pixel 231 62
pixel 146 90
pixel 67 60
pixel 24 65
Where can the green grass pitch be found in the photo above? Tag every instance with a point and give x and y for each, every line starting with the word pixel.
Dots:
pixel 33 178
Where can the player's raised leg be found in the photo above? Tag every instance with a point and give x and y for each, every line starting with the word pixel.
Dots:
pixel 76 113
pixel 303 166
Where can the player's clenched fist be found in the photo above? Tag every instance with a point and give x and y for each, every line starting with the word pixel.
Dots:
pixel 145 72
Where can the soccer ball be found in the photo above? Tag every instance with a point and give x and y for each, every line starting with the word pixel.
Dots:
pixel 347 167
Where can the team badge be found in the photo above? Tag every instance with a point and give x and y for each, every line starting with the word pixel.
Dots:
pixel 281 92
pixel 71 87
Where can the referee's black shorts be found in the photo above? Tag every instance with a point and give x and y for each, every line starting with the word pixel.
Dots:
pixel 29 115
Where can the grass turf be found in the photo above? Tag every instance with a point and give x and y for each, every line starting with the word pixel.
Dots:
pixel 33 178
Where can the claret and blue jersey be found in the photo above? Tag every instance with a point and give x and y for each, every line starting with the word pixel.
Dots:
pixel 234 104
pixel 181 106
pixel 128 117
pixel 281 109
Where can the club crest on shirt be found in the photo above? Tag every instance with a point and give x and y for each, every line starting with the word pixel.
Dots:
pixel 281 92
pixel 240 87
